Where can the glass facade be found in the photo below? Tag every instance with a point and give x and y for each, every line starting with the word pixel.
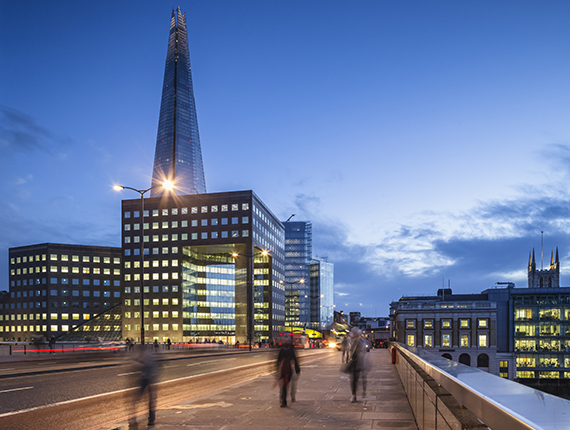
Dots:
pixel 542 334
pixel 322 293
pixel 298 252
pixel 208 293
pixel 178 155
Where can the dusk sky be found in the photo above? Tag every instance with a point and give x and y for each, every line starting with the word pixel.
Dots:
pixel 426 141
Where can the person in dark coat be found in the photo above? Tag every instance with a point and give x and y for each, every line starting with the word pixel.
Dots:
pixel 146 367
pixel 285 361
pixel 356 361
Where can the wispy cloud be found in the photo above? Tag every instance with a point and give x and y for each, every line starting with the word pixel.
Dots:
pixel 477 248
pixel 20 132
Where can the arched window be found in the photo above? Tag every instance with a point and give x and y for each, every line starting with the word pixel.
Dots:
pixel 465 359
pixel 448 356
pixel 483 360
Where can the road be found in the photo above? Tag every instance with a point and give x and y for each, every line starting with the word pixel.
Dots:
pixel 85 394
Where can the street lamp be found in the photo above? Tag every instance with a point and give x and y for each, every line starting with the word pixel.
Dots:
pixel 288 311
pixel 167 185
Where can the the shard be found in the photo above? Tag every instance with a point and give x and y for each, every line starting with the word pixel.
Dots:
pixel 178 155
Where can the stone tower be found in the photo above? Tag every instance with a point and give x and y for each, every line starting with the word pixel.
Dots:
pixel 546 278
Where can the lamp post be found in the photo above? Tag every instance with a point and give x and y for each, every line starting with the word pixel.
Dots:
pixel 167 185
pixel 299 281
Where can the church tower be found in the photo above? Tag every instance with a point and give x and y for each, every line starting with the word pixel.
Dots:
pixel 178 155
pixel 545 278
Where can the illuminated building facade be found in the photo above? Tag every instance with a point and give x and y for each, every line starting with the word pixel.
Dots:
pixel 460 327
pixel 298 252
pixel 178 154
pixel 527 329
pixel 321 293
pixel 56 287
pixel 212 266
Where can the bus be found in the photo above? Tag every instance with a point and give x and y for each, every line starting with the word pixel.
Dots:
pixel 299 340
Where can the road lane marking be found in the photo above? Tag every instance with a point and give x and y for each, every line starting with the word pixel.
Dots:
pixel 5 370
pixel 129 373
pixel 126 390
pixel 16 389
pixel 210 361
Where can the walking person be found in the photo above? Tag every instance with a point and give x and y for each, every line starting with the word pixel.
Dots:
pixel 147 367
pixel 344 346
pixel 51 344
pixel 285 361
pixel 364 363
pixel 356 361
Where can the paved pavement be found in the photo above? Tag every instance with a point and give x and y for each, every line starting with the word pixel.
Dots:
pixel 322 401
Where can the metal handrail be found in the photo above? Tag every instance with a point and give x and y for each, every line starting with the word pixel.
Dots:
pixel 497 402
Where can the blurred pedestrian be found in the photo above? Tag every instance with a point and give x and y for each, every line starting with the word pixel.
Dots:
pixel 51 344
pixel 364 363
pixel 146 367
pixel 155 345
pixel 356 361
pixel 344 347
pixel 168 343
pixel 284 369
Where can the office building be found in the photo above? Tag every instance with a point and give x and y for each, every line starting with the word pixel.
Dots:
pixel 212 266
pixel 298 253
pixel 460 327
pixel 528 327
pixel 55 287
pixel 321 293
pixel 178 154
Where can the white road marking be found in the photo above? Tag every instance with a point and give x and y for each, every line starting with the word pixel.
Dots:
pixel 210 361
pixel 5 370
pixel 66 402
pixel 16 389
pixel 129 373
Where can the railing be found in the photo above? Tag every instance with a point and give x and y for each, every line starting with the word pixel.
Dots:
pixel 496 402
pixel 27 348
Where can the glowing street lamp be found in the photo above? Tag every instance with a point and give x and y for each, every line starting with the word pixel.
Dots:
pixel 167 185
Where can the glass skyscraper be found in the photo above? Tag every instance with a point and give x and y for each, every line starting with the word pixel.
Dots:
pixel 178 155
pixel 322 293
pixel 298 252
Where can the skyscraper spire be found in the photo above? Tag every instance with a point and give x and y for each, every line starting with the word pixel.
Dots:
pixel 178 155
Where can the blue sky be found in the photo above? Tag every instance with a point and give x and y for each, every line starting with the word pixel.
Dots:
pixel 426 141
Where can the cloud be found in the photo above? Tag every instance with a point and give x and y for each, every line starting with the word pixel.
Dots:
pixel 474 249
pixel 20 132
pixel 23 180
